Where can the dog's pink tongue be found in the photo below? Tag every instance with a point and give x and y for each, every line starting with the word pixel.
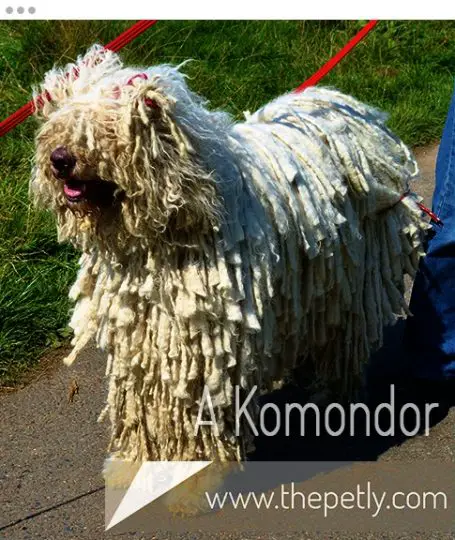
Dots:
pixel 73 191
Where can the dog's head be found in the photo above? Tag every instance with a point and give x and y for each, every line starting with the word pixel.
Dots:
pixel 115 157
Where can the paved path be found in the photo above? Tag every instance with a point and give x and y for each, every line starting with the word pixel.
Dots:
pixel 51 450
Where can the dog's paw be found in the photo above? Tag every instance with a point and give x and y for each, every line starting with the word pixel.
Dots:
pixel 192 497
pixel 119 473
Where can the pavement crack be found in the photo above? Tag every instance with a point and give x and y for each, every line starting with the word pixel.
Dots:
pixel 50 508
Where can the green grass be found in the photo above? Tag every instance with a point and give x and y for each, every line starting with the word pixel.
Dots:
pixel 405 68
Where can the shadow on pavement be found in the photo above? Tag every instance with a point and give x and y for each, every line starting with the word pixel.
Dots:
pixel 360 440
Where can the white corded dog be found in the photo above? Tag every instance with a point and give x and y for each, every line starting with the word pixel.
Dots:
pixel 219 255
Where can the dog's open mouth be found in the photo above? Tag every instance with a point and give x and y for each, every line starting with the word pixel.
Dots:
pixel 75 190
pixel 97 193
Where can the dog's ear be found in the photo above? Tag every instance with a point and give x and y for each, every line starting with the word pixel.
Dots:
pixel 61 84
pixel 146 98
pixel 167 180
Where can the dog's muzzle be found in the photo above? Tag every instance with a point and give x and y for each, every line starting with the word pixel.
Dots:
pixel 80 185
pixel 63 164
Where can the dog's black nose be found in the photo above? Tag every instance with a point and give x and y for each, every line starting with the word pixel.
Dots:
pixel 63 162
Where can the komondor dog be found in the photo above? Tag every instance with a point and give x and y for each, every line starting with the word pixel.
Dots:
pixel 219 256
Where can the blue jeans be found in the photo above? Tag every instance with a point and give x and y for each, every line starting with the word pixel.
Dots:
pixel 430 333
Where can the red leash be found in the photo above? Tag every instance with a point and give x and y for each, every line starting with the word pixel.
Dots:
pixel 118 43
pixel 128 35
pixel 328 66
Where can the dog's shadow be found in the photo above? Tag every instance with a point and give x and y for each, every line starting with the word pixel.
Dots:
pixel 359 440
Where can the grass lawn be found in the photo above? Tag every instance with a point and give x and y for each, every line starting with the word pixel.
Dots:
pixel 404 67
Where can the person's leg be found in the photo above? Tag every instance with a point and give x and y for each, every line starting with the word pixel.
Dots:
pixel 430 332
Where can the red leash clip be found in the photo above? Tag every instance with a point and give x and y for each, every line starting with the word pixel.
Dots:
pixel 432 215
pixel 424 209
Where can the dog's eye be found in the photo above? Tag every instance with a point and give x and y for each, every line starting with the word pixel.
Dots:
pixel 151 103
